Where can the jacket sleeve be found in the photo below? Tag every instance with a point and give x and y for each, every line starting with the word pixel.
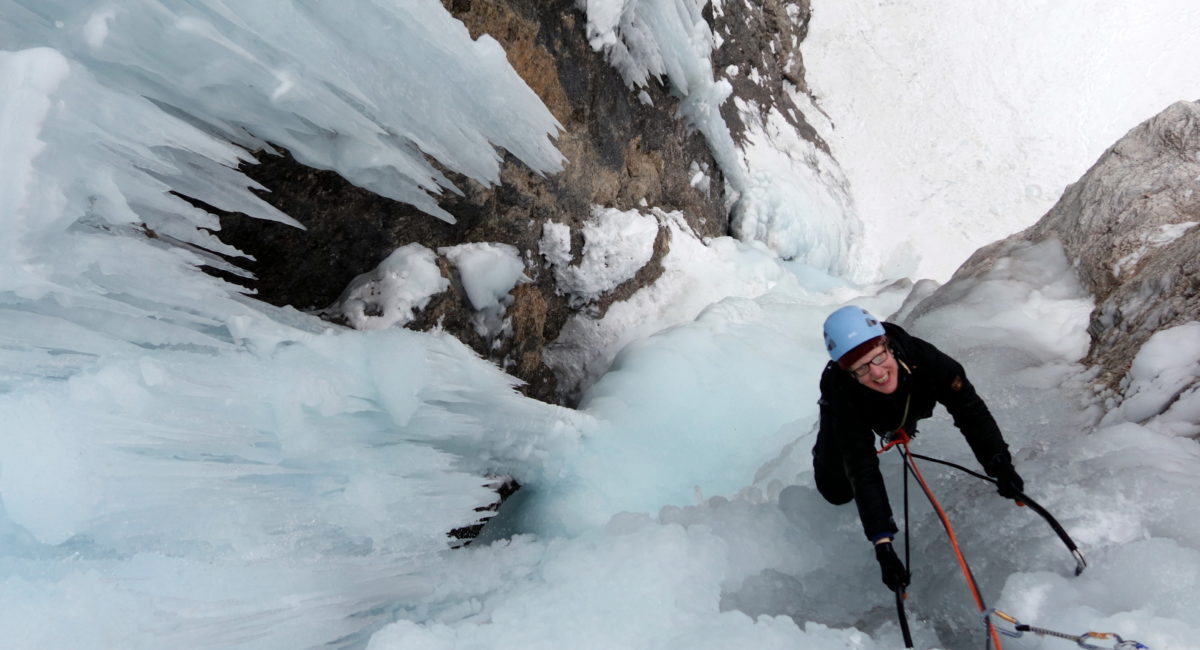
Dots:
pixel 856 444
pixel 870 494
pixel 971 415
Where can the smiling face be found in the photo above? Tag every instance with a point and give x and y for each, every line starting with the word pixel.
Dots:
pixel 883 376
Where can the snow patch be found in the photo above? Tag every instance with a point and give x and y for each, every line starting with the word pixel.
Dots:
pixel 958 125
pixel 488 272
pixel 1156 238
pixel 1162 388
pixel 616 245
pixel 389 295
pixel 1031 295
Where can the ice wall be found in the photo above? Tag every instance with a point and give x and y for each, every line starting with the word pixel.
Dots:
pixel 367 89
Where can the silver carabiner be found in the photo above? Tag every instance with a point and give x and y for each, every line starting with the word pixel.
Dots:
pixel 1015 632
pixel 1121 644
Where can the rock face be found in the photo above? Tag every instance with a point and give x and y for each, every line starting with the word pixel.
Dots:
pixel 764 37
pixel 625 148
pixel 1129 228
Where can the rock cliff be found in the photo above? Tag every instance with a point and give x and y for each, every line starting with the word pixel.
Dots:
pixel 626 148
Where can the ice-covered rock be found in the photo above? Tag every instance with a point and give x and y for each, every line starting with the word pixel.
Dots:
pixel 1127 226
pixel 1128 230
pixel 696 109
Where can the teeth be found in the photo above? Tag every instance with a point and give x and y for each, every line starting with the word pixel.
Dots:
pixel 882 380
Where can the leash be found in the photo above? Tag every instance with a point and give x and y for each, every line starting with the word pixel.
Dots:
pixel 1024 500
pixel 900 596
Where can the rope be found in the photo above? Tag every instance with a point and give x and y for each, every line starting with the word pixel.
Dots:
pixel 958 554
pixel 908 643
pixel 901 438
pixel 907 546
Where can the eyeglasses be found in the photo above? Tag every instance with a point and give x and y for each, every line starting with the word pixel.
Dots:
pixel 876 360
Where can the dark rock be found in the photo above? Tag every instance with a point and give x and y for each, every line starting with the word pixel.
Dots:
pixel 504 487
pixel 764 37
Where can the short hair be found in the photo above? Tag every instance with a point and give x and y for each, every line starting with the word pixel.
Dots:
pixel 856 354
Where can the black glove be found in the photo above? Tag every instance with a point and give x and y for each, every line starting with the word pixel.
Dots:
pixel 1009 483
pixel 895 576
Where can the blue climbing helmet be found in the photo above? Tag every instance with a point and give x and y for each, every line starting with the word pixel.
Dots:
pixel 848 328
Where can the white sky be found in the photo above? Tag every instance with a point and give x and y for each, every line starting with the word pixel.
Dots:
pixel 960 123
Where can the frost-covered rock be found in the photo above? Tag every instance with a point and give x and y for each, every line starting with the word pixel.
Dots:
pixel 737 70
pixel 488 272
pixel 1128 228
pixel 1162 388
pixel 616 245
pixel 793 195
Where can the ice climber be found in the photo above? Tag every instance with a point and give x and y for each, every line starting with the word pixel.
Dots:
pixel 882 380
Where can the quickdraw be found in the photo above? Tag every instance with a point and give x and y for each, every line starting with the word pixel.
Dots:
pixel 1082 640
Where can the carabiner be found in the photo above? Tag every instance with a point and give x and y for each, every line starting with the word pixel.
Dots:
pixel 1121 644
pixel 1016 632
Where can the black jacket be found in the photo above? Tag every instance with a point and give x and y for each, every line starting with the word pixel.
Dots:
pixel 852 416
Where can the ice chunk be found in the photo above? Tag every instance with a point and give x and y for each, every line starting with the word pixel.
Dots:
pixel 555 243
pixel 488 272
